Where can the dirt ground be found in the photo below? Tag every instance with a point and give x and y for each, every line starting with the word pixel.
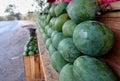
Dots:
pixel 11 48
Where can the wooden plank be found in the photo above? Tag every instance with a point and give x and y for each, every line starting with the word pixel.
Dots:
pixel 32 66
pixel 113 57
pixel 110 6
pixel 37 66
pixel 115 5
pixel 49 73
pixel 42 70
pixel 111 14
pixel 27 68
pixel 113 23
pixel 110 9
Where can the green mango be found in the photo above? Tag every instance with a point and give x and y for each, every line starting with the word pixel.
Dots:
pixel 57 61
pixel 56 39
pixel 68 50
pixel 52 12
pixel 48 18
pixel 86 68
pixel 48 42
pixel 60 8
pixel 93 38
pixel 81 10
pixel 25 53
pixel 51 49
pixel 53 34
pixel 60 21
pixel 31 53
pixel 66 73
pixel 68 28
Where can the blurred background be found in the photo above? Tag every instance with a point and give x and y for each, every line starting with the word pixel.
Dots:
pixel 20 9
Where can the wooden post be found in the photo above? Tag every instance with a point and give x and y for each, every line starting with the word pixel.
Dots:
pixel 32 67
pixel 27 68
pixel 37 67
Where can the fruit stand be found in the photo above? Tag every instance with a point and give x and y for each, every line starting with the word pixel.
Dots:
pixel 110 16
pixel 31 58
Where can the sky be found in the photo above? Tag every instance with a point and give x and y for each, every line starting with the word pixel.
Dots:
pixel 23 6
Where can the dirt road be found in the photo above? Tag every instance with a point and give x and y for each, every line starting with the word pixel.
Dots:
pixel 12 40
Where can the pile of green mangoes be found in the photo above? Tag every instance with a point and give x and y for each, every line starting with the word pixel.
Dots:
pixel 75 40
pixel 31 47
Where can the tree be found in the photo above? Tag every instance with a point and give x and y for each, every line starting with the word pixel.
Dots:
pixel 41 3
pixel 18 15
pixel 10 9
pixel 2 18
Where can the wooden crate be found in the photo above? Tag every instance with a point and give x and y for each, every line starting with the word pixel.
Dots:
pixel 33 68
